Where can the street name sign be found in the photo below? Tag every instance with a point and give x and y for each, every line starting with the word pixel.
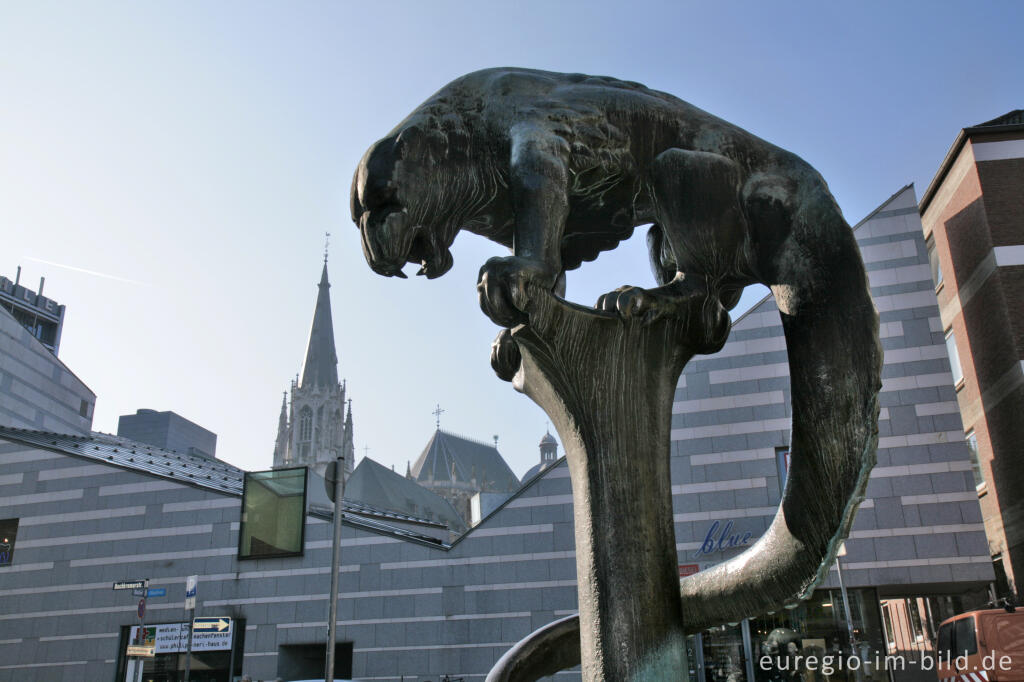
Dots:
pixel 132 584
pixel 156 592
pixel 142 651
pixel 211 624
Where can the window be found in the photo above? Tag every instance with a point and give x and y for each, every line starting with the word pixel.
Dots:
pixel 8 533
pixel 954 358
pixel 964 641
pixel 933 260
pixel 944 647
pixel 273 514
pixel 306 424
pixel 972 448
pixel 782 463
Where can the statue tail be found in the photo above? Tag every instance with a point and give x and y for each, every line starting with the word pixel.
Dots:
pixel 835 363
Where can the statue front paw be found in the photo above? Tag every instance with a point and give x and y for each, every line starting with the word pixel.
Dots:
pixel 503 288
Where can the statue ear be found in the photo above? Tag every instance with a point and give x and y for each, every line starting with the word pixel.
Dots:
pixel 420 141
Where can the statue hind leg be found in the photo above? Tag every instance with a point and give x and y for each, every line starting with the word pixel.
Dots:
pixel 699 246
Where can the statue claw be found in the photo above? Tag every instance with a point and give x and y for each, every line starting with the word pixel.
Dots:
pixel 636 303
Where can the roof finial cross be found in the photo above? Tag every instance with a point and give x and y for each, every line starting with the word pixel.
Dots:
pixel 437 413
pixel 327 241
pixel 366 451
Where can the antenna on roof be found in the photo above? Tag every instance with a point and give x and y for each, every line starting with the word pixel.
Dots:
pixel 437 413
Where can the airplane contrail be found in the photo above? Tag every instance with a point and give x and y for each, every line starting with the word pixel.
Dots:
pixel 88 272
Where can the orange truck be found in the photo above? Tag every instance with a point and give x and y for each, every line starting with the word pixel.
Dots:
pixel 981 646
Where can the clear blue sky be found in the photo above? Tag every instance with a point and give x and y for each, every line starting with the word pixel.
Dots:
pixel 194 154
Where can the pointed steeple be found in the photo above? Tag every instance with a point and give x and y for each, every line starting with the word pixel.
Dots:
pixel 349 448
pixel 320 368
pixel 281 444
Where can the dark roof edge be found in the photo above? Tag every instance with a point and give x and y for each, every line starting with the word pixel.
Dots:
pixel 77 455
pixel 954 152
pixel 523 488
pixel 380 529
pixel 882 205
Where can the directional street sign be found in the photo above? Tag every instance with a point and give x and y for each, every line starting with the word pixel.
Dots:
pixel 140 584
pixel 211 624
pixel 143 651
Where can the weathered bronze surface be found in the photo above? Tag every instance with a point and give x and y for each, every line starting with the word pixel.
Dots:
pixel 560 167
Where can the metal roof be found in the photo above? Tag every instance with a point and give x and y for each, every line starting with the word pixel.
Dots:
pixel 374 484
pixel 448 457
pixel 128 454
pixel 193 470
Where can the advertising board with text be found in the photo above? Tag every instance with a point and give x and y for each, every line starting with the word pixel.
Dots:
pixel 173 638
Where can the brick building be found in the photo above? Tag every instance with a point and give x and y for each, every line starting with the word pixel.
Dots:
pixel 973 220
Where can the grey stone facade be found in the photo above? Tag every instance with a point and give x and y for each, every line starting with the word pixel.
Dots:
pixel 38 391
pixel 408 608
pixel 920 524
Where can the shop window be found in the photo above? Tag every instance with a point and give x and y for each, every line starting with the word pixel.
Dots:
pixel 954 358
pixel 972 448
pixel 273 514
pixel 933 260
pixel 8 534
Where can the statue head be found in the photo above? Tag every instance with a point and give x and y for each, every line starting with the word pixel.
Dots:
pixel 412 192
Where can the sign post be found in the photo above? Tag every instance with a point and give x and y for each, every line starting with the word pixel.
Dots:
pixel 336 471
pixel 137 649
pixel 191 585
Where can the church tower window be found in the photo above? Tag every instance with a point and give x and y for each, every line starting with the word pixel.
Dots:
pixel 306 425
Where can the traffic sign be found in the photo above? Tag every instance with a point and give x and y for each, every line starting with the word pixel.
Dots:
pixel 132 584
pixel 191 584
pixel 216 624
pixel 142 608
pixel 139 650
pixel 331 479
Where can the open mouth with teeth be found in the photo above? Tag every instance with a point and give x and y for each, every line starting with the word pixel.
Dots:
pixel 419 246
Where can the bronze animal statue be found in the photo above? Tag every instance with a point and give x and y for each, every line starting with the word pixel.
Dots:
pixel 560 167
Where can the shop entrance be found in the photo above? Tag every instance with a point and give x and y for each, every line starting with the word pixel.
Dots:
pixel 307 661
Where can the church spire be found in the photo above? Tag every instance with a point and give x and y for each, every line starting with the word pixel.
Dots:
pixel 320 368
pixel 349 447
pixel 281 444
